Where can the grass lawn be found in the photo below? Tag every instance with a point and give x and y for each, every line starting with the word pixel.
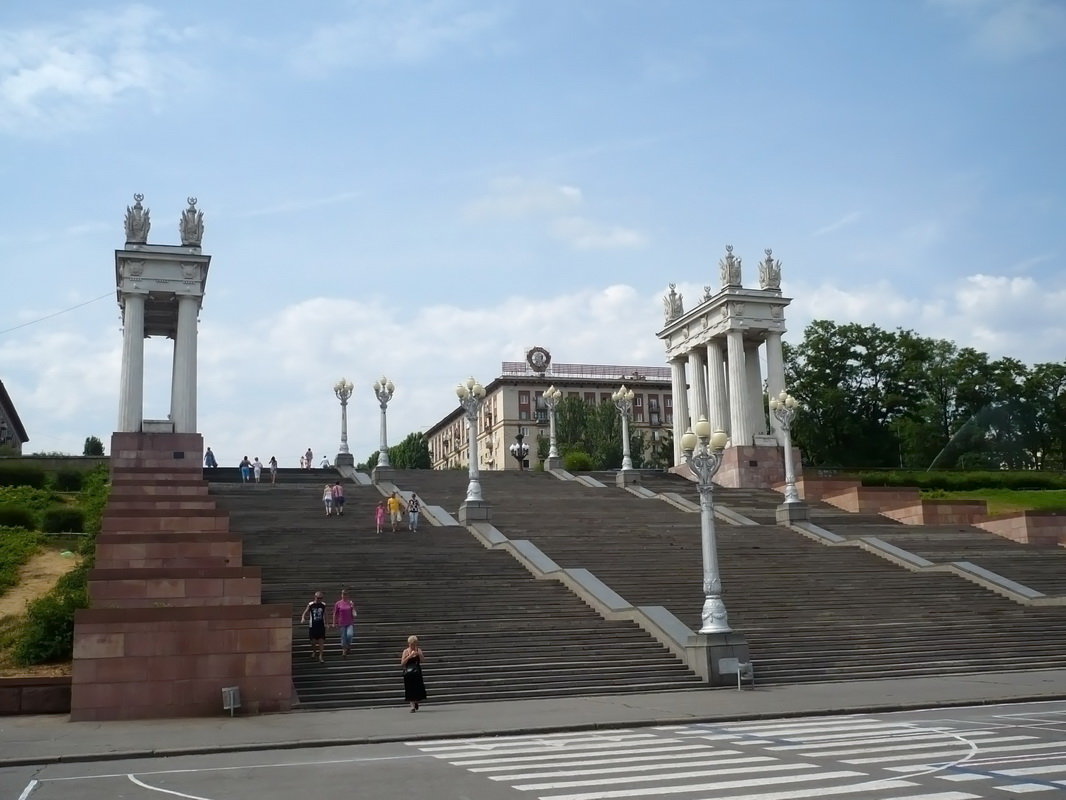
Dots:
pixel 1006 501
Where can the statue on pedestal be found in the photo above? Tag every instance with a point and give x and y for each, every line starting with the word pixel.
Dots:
pixel 770 272
pixel 191 225
pixel 730 267
pixel 137 222
pixel 673 306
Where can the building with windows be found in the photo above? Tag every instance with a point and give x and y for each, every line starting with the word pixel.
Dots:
pixel 12 434
pixel 514 404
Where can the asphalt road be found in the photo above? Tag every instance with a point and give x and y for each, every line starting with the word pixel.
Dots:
pixel 943 754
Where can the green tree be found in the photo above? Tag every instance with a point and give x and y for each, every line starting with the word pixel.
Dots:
pixel 93 447
pixel 411 453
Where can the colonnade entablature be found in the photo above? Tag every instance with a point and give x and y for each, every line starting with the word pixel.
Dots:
pixel 160 290
pixel 713 351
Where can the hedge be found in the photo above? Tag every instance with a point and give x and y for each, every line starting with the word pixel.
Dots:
pixel 13 516
pixel 23 475
pixel 68 480
pixel 963 481
pixel 577 461
pixel 63 519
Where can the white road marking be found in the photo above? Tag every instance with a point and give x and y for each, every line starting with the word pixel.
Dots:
pixel 28 790
pixel 167 791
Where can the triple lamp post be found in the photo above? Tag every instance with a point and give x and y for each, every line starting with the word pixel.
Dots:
pixel 471 395
pixel 551 398
pixel 383 389
pixel 784 408
pixel 623 401
pixel 343 389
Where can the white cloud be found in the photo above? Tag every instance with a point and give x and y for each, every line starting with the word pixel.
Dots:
pixel 380 32
pixel 516 198
pixel 59 76
pixel 585 234
pixel 1011 29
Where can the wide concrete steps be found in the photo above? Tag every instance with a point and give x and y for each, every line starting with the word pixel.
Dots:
pixel 809 612
pixel 489 630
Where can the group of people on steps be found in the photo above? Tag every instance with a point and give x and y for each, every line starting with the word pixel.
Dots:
pixel 343 619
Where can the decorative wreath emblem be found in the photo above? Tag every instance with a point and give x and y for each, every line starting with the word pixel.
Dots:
pixel 538 359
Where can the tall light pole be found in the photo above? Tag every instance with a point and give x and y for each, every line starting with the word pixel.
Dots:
pixel 343 389
pixel 551 401
pixel 703 454
pixel 623 401
pixel 784 408
pixel 471 394
pixel 383 389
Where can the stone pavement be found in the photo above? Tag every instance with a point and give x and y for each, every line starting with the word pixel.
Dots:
pixel 52 739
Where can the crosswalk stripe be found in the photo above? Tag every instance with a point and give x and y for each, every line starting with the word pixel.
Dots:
pixel 499 743
pixel 670 773
pixel 942 742
pixel 945 753
pixel 630 757
pixel 937 796
pixel 852 788
pixel 712 787
pixel 1042 769
pixel 827 731
pixel 817 722
pixel 671 766
pixel 531 749
pixel 937 737
pixel 533 737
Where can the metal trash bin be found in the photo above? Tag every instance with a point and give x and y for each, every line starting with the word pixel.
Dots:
pixel 231 699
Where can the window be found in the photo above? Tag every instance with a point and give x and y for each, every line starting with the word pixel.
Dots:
pixel 668 409
pixel 590 398
pixel 605 397
pixel 523 405
pixel 573 394
pixel 638 407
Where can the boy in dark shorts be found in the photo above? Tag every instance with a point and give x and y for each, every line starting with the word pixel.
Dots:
pixel 338 498
pixel 315 616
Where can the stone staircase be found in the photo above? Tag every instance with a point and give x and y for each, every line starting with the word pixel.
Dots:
pixel 490 631
pixel 809 612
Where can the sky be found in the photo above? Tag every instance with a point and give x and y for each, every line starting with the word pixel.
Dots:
pixel 423 189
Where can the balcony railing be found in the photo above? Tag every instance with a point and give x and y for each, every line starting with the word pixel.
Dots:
pixel 520 369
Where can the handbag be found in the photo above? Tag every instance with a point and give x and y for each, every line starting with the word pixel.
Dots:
pixel 412 669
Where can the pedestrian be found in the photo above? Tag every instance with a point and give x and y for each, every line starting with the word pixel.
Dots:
pixel 414 508
pixel 344 615
pixel 414 687
pixel 327 499
pixel 379 515
pixel 246 470
pixel 309 459
pixel 257 468
pixel 273 470
pixel 209 459
pixel 395 505
pixel 338 498
pixel 315 616
pixel 325 463
pixel 303 462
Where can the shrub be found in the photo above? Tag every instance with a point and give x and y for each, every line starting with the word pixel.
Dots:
pixel 577 461
pixel 964 481
pixel 22 475
pixel 13 516
pixel 63 519
pixel 93 500
pixel 47 632
pixel 36 500
pixel 68 480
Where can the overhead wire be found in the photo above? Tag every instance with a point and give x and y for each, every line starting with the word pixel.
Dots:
pixel 57 313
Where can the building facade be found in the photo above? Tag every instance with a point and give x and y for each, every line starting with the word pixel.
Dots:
pixel 514 403
pixel 12 434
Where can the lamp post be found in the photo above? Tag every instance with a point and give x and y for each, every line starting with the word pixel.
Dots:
pixel 784 408
pixel 703 454
pixel 551 401
pixel 383 389
pixel 343 389
pixel 519 450
pixel 471 394
pixel 623 401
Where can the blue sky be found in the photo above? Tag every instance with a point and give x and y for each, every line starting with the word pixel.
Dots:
pixel 426 189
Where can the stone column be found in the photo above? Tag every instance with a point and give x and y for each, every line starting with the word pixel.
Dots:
pixel 679 387
pixel 719 396
pixel 183 394
pixel 699 385
pixel 756 405
pixel 131 380
pixel 740 433
pixel 775 373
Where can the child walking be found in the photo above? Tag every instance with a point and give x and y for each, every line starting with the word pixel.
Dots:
pixel 379 516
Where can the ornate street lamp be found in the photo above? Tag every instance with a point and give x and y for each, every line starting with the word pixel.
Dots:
pixel 784 408
pixel 343 389
pixel 551 398
pixel 519 450
pixel 383 389
pixel 623 401
pixel 703 454
pixel 471 394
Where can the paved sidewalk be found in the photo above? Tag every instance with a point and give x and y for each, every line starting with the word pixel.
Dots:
pixel 52 739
